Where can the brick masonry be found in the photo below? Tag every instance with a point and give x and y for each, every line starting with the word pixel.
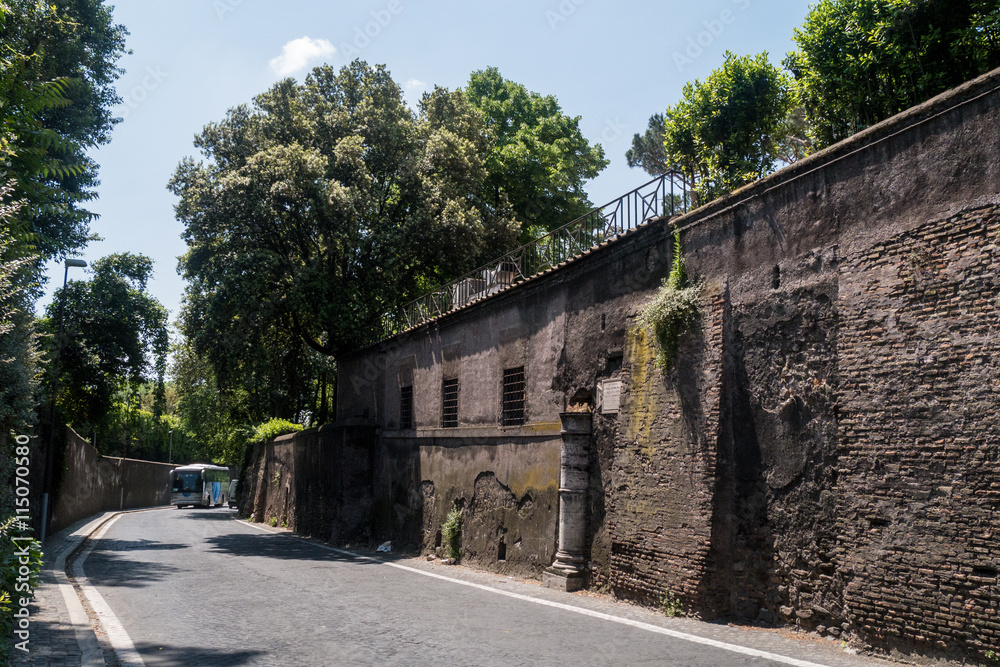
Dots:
pixel 825 452
pixel 919 359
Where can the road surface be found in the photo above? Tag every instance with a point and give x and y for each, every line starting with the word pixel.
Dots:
pixel 198 587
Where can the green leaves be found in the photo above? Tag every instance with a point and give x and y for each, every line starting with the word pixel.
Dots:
pixel 672 312
pixel 727 131
pixel 537 160
pixel 860 61
pixel 57 73
pixel 325 205
pixel 115 337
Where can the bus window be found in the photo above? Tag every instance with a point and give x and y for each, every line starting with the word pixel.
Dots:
pixel 187 482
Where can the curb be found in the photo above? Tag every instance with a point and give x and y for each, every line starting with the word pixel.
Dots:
pixel 72 538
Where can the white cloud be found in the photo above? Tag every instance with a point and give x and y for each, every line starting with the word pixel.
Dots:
pixel 414 83
pixel 299 53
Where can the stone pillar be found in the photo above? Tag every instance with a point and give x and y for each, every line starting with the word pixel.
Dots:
pixel 569 571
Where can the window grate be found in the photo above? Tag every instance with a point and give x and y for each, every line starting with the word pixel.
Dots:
pixel 512 399
pixel 406 408
pixel 449 403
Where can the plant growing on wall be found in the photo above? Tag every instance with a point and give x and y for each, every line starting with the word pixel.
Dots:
pixel 673 311
pixel 671 605
pixel 272 429
pixel 451 533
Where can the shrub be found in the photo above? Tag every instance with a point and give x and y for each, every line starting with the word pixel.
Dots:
pixel 671 605
pixel 272 429
pixel 10 565
pixel 451 533
pixel 672 312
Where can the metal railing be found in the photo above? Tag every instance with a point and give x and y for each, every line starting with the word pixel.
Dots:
pixel 668 194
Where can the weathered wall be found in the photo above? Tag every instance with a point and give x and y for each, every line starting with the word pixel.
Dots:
pixel 91 483
pixel 342 484
pixel 318 481
pixel 825 451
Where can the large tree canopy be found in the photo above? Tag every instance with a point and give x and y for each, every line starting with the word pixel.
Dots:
pixel 58 66
pixel 860 61
pixel 324 205
pixel 538 159
pixel 115 336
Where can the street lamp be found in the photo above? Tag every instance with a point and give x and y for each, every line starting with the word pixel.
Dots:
pixel 170 452
pixel 47 485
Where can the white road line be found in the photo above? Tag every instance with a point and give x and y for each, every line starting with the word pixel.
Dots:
pixel 120 642
pixel 735 648
pixel 92 655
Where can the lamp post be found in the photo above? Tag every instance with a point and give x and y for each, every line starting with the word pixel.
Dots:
pixel 49 458
pixel 170 452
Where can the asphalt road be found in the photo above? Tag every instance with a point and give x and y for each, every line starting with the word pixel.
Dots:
pixel 197 587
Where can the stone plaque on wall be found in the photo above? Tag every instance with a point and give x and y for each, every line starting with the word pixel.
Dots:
pixel 608 396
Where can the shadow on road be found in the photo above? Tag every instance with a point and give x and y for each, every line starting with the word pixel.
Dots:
pixel 191 656
pixel 112 544
pixel 278 546
pixel 213 514
pixel 106 568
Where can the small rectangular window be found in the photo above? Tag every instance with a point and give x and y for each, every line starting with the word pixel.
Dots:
pixel 512 398
pixel 406 407
pixel 449 403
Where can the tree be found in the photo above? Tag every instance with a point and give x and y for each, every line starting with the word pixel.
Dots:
pixel 19 355
pixel 538 159
pixel 728 131
pixel 58 66
pixel 647 150
pixel 861 61
pixel 324 206
pixel 115 340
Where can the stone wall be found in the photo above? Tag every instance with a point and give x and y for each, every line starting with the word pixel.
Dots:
pixel 318 481
pixel 90 483
pixel 824 452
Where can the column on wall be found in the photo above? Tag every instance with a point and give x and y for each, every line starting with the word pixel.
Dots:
pixel 569 571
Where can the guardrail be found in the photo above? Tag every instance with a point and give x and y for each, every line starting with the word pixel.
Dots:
pixel 665 195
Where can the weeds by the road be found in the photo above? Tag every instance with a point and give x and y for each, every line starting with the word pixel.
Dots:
pixel 451 533
pixel 671 605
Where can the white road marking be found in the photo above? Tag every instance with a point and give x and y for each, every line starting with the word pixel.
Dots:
pixel 92 655
pixel 735 648
pixel 120 642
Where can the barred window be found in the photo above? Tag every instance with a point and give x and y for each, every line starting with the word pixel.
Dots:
pixel 512 397
pixel 406 407
pixel 449 403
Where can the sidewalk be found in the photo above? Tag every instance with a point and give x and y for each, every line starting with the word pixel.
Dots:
pixel 61 633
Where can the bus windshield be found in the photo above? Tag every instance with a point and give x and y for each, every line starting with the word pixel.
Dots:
pixel 187 482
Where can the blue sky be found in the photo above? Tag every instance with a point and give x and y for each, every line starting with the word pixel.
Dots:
pixel 611 63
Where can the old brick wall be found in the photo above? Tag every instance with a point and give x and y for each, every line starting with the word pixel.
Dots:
pixel 825 451
pixel 918 536
pixel 661 467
